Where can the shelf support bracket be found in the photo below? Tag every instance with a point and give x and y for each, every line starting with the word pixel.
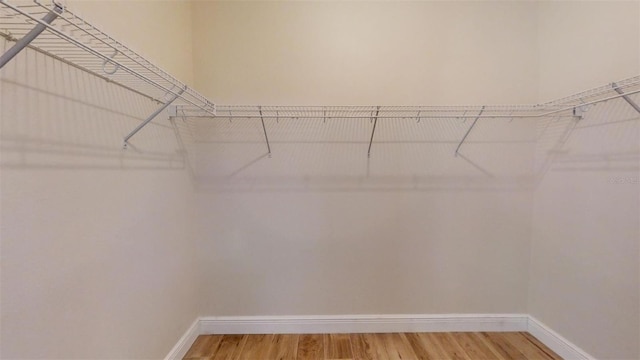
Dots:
pixel 625 97
pixel 469 131
pixel 152 116
pixel 264 128
pixel 375 121
pixel 28 38
pixel 579 111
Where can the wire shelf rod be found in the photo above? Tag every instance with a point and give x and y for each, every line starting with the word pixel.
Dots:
pixel 373 131
pixel 189 96
pixel 264 128
pixel 412 109
pixel 469 131
pixel 76 66
pixel 151 117
pixel 110 45
pixel 30 36
pixel 302 115
pixel 578 97
pixel 625 97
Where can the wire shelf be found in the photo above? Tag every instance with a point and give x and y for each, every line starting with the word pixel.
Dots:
pixel 629 84
pixel 602 93
pixel 67 37
pixel 71 39
pixel 416 113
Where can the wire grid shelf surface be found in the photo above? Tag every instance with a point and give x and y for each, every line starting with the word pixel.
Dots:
pixel 626 85
pixel 418 113
pixel 71 39
pixel 361 112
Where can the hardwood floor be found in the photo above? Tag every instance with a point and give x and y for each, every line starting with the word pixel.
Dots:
pixel 389 346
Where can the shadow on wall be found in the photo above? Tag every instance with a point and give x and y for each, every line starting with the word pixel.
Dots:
pixel 56 116
pixel 406 155
pixel 606 139
pixel 331 155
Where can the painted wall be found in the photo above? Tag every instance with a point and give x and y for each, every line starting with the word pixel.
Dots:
pixel 365 53
pixel 579 49
pixel 585 257
pixel 97 256
pixel 320 213
pixel 319 228
pixel 584 261
pixel 159 30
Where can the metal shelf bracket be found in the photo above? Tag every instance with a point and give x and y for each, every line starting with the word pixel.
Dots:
pixel 30 36
pixel 469 130
pixel 375 122
pixel 152 116
pixel 78 43
pixel 264 128
pixel 579 111
pixel 625 97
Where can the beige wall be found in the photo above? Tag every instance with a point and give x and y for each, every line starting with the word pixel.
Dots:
pixel 297 223
pixel 159 30
pixel 584 280
pixel 96 243
pixel 585 44
pixel 585 257
pixel 365 53
pixel 321 229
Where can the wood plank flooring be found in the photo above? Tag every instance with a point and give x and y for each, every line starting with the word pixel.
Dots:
pixel 389 346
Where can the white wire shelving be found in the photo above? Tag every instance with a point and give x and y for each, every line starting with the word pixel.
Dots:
pixel 50 28
pixel 575 105
pixel 619 89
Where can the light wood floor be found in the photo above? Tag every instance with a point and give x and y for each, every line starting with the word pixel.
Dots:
pixel 392 346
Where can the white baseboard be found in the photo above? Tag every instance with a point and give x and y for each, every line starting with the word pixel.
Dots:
pixel 362 323
pixel 563 347
pixel 185 342
pixel 376 323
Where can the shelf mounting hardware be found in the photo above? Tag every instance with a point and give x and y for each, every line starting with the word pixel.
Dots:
pixel 579 111
pixel 375 121
pixel 264 128
pixel 28 38
pixel 468 131
pixel 105 62
pixel 152 116
pixel 625 97
pixel 75 39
